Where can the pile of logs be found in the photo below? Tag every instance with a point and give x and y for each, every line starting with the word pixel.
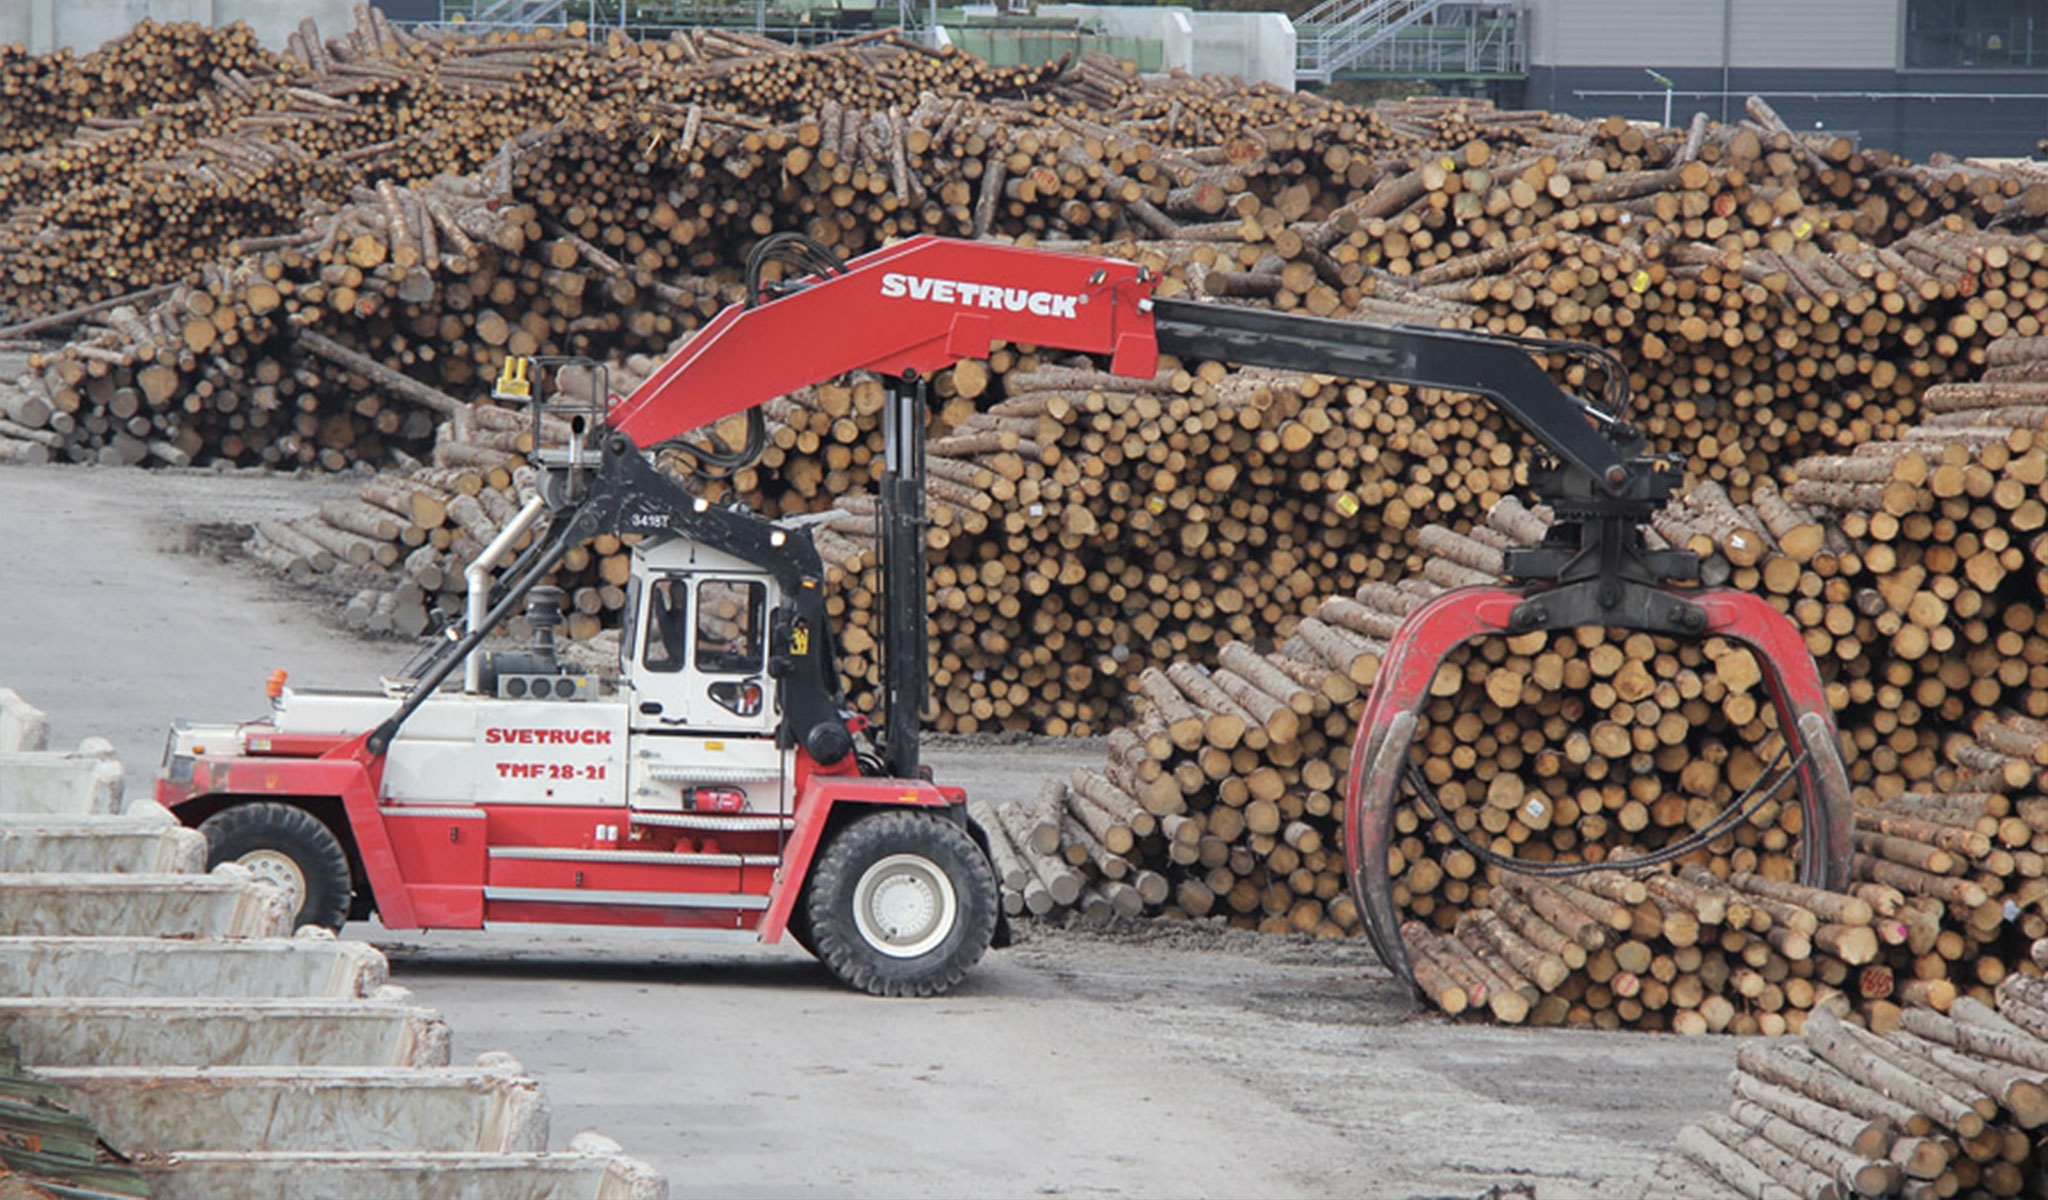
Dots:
pixel 637 171
pixel 1924 1103
pixel 175 144
pixel 393 557
pixel 236 364
pixel 46 97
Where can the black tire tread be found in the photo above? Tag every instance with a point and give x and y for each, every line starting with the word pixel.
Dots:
pixel 264 824
pixel 838 944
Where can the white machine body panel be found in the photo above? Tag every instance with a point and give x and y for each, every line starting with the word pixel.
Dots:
pixel 666 767
pixel 460 749
pixel 691 726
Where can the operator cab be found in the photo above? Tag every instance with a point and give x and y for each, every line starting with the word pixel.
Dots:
pixel 700 701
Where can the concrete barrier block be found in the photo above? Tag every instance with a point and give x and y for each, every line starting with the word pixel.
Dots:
pixel 129 844
pixel 221 1033
pixel 22 725
pixel 571 1176
pixel 142 967
pixel 228 902
pixel 169 1110
pixel 54 784
pixel 626 1178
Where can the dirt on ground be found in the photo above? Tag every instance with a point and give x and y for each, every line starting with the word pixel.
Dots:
pixel 1156 1059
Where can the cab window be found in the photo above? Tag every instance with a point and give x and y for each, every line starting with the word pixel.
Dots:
pixel 667 630
pixel 730 626
pixel 629 622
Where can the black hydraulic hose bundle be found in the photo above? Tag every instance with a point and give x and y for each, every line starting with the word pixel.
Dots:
pixel 807 257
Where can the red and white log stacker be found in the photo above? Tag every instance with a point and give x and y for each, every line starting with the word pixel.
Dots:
pixel 721 784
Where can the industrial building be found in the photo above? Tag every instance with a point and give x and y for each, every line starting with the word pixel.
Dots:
pixel 1966 77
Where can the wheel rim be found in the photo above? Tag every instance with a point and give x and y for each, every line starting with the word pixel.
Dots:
pixel 904 905
pixel 275 866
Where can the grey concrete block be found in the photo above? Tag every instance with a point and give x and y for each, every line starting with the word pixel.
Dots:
pixel 22 725
pixel 572 1176
pixel 219 1033
pixel 168 1110
pixel 52 784
pixel 228 902
pixel 137 843
pixel 141 967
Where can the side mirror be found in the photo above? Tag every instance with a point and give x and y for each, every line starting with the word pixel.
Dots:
pixel 789 638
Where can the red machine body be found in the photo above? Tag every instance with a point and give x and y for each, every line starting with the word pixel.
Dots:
pixel 920 305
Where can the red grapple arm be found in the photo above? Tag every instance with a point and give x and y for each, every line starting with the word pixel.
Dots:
pixel 1429 634
pixel 919 305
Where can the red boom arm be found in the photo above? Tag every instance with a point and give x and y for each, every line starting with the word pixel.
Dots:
pixel 919 305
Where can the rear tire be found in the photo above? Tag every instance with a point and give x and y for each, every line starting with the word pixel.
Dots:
pixel 289 847
pixel 901 904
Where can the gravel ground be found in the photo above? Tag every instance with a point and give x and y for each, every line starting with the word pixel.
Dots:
pixel 1157 1060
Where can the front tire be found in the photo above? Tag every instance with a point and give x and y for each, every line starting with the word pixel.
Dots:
pixel 901 904
pixel 289 847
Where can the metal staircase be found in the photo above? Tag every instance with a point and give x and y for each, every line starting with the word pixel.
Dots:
pixel 510 14
pixel 1337 33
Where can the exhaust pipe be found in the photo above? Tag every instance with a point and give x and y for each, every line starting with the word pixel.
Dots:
pixel 478 574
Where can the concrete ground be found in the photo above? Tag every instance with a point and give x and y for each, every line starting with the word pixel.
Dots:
pixel 1163 1060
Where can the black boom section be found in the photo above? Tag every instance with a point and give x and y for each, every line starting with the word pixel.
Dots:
pixel 1497 369
pixel 906 657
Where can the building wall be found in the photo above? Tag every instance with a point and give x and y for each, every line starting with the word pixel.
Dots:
pixel 1633 33
pixel 1257 46
pixel 1976 125
pixel 84 25
pixel 1689 33
pixel 1817 62
pixel 1849 34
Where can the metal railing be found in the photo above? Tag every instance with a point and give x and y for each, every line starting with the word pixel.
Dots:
pixel 511 14
pixel 603 19
pixel 1449 38
pixel 1480 49
pixel 1335 33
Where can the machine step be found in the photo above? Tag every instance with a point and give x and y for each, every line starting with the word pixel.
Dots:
pixel 714 775
pixel 538 895
pixel 661 858
pixel 714 822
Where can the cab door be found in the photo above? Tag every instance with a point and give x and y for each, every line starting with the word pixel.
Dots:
pixel 705 767
pixel 730 690
pixel 702 665
pixel 658 655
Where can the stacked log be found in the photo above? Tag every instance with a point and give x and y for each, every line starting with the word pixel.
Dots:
pixel 636 167
pixel 243 364
pixel 661 156
pixel 46 97
pixel 1924 604
pixel 1923 1103
pixel 168 147
pixel 392 558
